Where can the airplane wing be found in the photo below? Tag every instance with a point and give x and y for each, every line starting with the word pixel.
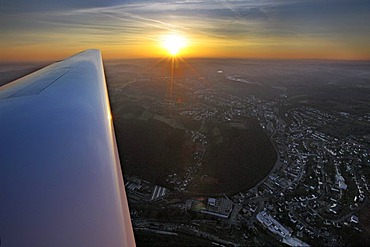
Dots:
pixel 60 176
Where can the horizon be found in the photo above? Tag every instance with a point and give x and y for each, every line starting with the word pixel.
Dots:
pixel 290 29
pixel 46 61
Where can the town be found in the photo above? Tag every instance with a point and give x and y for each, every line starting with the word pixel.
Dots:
pixel 313 195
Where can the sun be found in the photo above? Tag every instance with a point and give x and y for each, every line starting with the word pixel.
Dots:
pixel 173 43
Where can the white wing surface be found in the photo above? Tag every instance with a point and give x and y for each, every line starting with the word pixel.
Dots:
pixel 60 176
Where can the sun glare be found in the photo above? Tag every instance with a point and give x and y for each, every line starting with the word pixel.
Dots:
pixel 173 43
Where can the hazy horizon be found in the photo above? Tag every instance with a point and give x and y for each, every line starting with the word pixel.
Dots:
pixel 50 61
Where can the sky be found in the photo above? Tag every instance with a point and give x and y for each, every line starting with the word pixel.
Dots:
pixel 286 29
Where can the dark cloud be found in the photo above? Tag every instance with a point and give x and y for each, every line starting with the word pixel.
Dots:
pixel 34 6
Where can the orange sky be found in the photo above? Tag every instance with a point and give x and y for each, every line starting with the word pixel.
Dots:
pixel 234 29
